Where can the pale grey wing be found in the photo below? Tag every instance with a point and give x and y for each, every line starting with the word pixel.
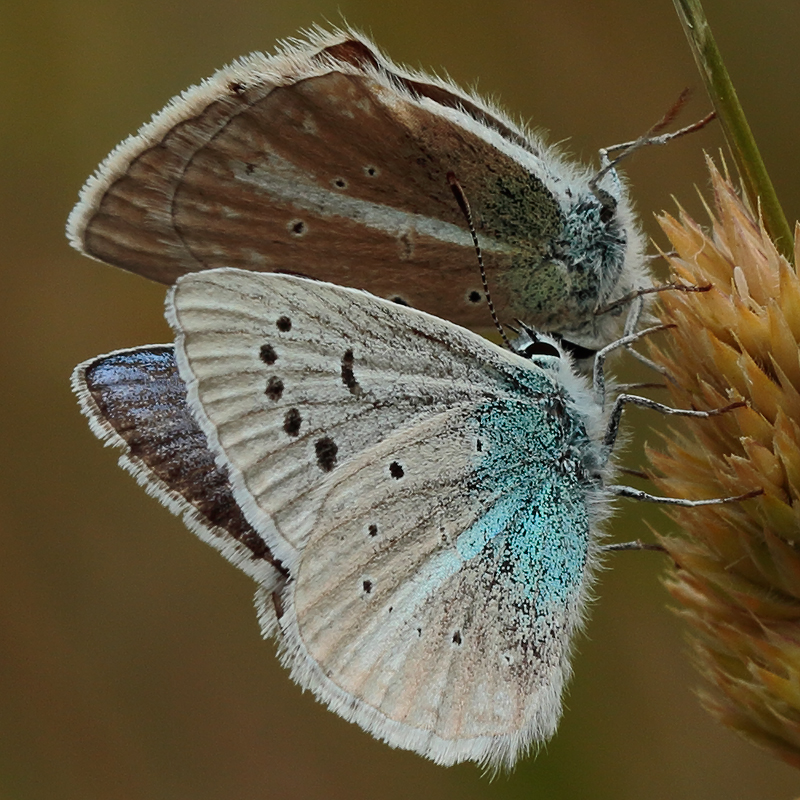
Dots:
pixel 437 609
pixel 330 162
pixel 291 378
pixel 425 490
pixel 135 401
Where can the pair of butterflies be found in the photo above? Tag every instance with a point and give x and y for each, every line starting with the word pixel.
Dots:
pixel 419 507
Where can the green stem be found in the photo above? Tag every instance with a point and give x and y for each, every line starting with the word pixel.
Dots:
pixel 755 178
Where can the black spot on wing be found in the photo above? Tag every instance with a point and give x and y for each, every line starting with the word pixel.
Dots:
pixel 326 450
pixel 348 376
pixel 274 388
pixel 292 421
pixel 267 354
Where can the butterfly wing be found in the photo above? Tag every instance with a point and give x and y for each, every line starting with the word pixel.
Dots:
pixel 448 631
pixel 428 492
pixel 328 161
pixel 135 400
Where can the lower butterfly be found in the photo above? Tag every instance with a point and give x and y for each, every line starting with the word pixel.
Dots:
pixel 420 507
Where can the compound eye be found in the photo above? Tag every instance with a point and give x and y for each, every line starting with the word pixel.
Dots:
pixel 540 348
pixel 578 352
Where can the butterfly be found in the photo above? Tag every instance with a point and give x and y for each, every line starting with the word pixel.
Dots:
pixel 329 161
pixel 420 507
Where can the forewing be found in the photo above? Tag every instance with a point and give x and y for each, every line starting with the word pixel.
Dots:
pixel 290 378
pixel 328 161
pixel 135 401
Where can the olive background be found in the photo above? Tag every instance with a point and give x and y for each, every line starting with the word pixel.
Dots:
pixel 131 665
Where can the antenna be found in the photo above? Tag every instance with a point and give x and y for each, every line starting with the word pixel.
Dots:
pixel 463 204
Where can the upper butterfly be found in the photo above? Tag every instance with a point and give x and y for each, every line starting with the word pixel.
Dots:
pixel 329 161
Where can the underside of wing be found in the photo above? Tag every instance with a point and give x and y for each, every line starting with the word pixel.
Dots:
pixel 330 162
pixel 432 496
pixel 290 378
pixel 435 606
pixel 135 400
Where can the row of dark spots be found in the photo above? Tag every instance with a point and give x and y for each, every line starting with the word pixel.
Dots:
pixel 473 297
pixel 299 227
pixel 341 183
pixel 367 586
pixel 325 448
pixel 370 170
pixel 457 638
pixel 456 635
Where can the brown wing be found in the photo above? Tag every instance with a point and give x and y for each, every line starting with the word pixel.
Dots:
pixel 135 399
pixel 327 162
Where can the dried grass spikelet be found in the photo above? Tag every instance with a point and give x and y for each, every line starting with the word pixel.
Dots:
pixel 737 574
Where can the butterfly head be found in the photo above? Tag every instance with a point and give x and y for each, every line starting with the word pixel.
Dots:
pixel 567 363
pixel 564 364
pixel 601 251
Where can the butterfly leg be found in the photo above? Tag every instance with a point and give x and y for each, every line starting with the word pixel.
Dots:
pixel 645 402
pixel 636 494
pixel 598 377
pixel 627 491
pixel 651 137
pixel 638 544
pixel 632 323
pixel 631 297
pixel 636 301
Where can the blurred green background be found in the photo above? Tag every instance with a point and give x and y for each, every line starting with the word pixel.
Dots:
pixel 130 660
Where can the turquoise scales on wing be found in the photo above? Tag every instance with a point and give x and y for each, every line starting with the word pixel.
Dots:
pixel 538 525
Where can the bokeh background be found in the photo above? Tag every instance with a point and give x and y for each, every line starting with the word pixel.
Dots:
pixel 130 661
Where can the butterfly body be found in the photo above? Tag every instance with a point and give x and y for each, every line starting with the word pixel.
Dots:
pixel 329 161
